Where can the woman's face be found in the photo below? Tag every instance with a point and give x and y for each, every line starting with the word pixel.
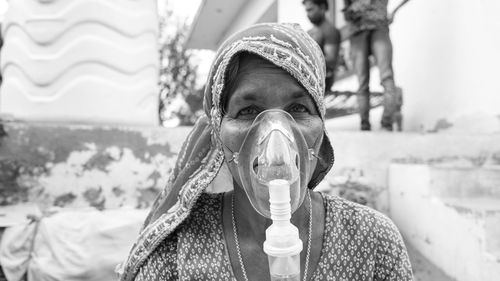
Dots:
pixel 258 86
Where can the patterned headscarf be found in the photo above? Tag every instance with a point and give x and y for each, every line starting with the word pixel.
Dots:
pixel 201 156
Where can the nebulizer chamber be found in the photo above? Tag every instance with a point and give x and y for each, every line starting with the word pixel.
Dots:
pixel 282 245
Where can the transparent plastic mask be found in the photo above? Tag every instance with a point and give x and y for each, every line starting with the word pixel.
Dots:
pixel 274 148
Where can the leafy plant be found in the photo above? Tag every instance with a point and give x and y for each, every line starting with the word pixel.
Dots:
pixel 177 71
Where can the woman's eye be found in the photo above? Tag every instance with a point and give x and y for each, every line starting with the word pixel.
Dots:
pixel 247 111
pixel 298 108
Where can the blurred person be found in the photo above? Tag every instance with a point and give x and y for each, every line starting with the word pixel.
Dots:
pixel 325 34
pixel 368 22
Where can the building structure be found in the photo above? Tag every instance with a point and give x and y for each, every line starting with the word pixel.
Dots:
pixel 446 62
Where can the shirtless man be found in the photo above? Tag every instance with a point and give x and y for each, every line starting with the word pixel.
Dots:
pixel 325 34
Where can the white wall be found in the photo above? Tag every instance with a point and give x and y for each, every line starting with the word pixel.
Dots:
pixel 258 8
pixel 81 61
pixel 447 58
pixel 293 11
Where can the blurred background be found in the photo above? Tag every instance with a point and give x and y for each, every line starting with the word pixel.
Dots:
pixel 97 97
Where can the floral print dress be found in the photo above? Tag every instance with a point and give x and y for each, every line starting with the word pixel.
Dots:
pixel 358 244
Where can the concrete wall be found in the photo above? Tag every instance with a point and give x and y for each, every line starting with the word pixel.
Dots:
pixel 442 221
pixel 364 158
pixel 108 167
pixel 77 166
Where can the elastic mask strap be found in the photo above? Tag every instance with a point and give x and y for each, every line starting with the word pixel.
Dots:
pixel 235 154
pixel 313 154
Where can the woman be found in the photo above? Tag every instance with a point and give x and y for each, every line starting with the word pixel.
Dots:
pixel 194 235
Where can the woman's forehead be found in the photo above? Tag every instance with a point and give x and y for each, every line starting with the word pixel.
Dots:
pixel 284 46
pixel 257 77
pixel 250 63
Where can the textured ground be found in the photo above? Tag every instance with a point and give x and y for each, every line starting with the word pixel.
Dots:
pixel 423 269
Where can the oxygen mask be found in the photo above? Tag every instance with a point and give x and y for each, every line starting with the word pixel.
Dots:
pixel 273 149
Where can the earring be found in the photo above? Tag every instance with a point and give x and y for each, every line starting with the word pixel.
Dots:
pixel 234 158
pixel 312 154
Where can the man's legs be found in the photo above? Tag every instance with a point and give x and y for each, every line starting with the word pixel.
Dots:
pixel 382 50
pixel 360 52
pixel 329 80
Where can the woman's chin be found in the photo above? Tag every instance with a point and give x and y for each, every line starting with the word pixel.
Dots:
pixel 262 203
